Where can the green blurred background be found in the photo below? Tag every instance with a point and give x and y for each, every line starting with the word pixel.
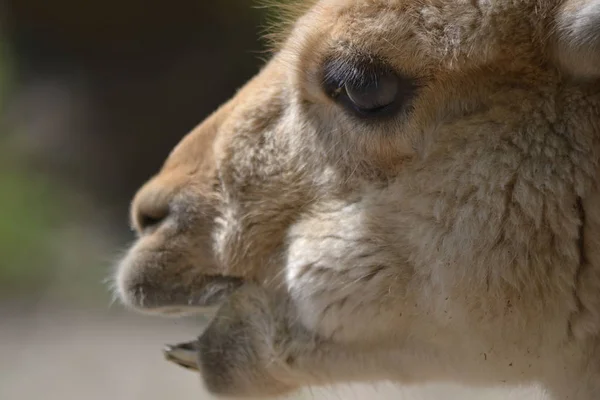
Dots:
pixel 93 96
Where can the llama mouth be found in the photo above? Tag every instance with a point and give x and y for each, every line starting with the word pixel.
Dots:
pixel 216 290
pixel 184 354
pixel 207 294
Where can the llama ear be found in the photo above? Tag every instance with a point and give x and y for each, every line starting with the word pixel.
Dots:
pixel 578 38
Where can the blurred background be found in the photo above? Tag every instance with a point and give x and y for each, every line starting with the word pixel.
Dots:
pixel 93 96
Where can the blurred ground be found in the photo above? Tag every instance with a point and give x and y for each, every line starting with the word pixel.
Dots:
pixel 63 353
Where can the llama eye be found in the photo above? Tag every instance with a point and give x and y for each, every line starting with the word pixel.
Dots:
pixel 373 94
pixel 366 89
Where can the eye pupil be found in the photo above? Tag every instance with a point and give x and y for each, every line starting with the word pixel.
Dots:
pixel 375 93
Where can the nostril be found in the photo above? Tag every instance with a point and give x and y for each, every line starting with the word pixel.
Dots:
pixel 150 219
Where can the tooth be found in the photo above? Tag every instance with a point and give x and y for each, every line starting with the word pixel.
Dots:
pixel 184 355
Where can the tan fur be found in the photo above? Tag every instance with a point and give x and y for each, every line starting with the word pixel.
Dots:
pixel 458 241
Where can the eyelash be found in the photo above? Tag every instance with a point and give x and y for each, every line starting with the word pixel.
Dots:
pixel 337 72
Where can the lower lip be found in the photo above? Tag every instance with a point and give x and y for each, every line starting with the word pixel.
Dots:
pixel 204 313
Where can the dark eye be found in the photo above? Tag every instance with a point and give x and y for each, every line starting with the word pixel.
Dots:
pixel 366 89
pixel 373 94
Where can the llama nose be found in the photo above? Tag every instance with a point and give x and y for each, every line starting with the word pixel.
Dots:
pixel 148 219
pixel 150 209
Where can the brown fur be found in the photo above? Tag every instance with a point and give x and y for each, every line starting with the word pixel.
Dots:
pixel 458 240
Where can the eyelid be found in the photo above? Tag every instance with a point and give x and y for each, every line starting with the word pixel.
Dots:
pixel 339 71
